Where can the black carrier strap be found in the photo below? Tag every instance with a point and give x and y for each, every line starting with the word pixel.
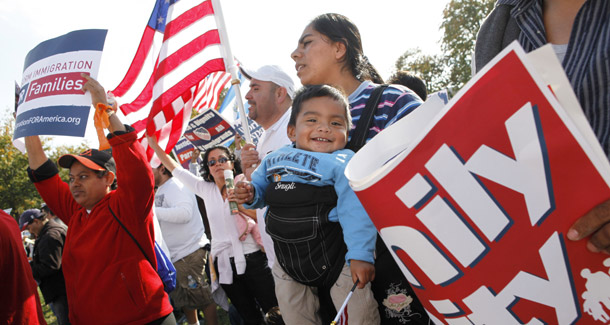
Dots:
pixel 366 120
pixel 308 246
pixel 132 237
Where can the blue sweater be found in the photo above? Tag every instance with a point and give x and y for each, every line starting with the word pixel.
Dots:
pixel 289 164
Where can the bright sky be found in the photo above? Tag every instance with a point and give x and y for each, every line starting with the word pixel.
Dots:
pixel 260 32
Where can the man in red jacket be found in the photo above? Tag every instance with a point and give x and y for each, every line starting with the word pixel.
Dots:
pixel 108 279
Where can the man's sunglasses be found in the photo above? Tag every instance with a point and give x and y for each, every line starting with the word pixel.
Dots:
pixel 221 160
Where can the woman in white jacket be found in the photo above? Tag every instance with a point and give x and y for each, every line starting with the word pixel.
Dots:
pixel 242 266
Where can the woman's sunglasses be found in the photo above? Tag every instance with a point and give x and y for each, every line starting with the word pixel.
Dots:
pixel 221 160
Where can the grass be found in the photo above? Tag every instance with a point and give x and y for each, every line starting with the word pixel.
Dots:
pixel 46 311
pixel 223 316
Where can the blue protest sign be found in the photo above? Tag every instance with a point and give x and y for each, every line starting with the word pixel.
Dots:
pixel 208 129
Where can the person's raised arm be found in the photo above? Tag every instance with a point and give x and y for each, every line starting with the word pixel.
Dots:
pixel 98 96
pixel 36 155
pixel 166 160
pixel 193 165
pixel 195 156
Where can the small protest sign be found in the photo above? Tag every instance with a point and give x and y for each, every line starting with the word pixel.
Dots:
pixel 256 131
pixel 208 129
pixel 475 204
pixel 183 151
pixel 51 99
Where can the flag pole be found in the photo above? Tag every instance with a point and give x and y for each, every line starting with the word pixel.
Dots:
pixel 231 67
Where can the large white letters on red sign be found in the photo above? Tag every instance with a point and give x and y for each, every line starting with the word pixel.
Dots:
pixel 527 173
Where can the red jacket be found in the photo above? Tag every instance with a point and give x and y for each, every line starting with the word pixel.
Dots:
pixel 108 280
pixel 19 302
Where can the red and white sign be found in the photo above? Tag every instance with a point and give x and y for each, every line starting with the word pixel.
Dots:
pixel 476 209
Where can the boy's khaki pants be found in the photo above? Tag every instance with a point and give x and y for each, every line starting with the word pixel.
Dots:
pixel 299 303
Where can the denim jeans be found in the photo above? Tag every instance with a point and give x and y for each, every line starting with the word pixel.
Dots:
pixel 59 306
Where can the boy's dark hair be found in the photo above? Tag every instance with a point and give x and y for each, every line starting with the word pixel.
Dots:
pixel 339 28
pixel 410 81
pixel 314 91
pixel 207 176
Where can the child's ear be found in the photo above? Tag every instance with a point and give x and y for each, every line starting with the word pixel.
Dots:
pixel 292 134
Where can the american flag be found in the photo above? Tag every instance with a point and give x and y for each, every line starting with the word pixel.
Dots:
pixel 180 47
pixel 208 90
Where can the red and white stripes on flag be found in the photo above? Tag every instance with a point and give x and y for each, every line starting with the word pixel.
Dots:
pixel 206 95
pixel 343 319
pixel 179 48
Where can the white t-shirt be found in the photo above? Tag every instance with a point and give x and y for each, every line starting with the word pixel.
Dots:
pixel 272 139
pixel 560 50
pixel 179 218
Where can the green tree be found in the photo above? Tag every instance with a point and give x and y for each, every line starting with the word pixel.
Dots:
pixel 16 190
pixel 429 68
pixel 461 22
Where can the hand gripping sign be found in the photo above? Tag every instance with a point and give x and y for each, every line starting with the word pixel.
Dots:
pixel 475 206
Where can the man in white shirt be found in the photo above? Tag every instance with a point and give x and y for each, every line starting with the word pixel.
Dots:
pixel 270 98
pixel 183 232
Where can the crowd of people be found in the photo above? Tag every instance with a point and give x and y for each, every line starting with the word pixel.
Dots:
pixel 291 240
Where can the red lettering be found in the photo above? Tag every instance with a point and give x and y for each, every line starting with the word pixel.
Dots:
pixel 54 85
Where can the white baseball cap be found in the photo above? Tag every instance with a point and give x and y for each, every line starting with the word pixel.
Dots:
pixel 272 73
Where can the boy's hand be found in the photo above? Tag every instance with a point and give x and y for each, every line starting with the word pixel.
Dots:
pixel 243 193
pixel 363 271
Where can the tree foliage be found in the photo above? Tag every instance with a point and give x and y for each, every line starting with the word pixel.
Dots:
pixel 429 68
pixel 461 22
pixel 16 190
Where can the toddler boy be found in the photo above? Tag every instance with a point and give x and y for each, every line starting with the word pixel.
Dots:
pixel 323 238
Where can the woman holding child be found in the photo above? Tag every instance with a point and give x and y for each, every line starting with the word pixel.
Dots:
pixel 330 52
pixel 242 266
